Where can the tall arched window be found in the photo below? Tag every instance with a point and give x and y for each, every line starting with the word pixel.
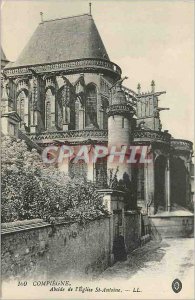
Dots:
pixel 104 106
pixel 49 98
pixel 22 107
pixel 101 173
pixel 91 106
pixel 65 106
pixel 59 112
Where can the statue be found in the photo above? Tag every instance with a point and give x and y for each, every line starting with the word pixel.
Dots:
pixel 5 89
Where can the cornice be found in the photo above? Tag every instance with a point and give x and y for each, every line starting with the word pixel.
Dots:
pixel 68 67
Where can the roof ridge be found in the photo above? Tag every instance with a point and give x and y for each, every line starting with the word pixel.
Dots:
pixel 65 18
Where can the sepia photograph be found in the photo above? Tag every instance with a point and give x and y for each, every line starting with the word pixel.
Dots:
pixel 97 154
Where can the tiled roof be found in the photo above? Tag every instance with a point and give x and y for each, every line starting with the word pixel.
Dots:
pixel 63 40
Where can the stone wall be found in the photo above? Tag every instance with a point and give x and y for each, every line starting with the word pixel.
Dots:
pixel 65 249
pixel 173 226
pixel 36 249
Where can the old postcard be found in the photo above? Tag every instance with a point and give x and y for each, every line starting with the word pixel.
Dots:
pixel 97 164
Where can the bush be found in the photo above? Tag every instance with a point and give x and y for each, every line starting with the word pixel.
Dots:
pixel 31 190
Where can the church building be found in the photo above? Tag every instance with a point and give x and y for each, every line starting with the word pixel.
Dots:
pixel 64 89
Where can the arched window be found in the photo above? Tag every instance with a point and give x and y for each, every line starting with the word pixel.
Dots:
pixel 101 173
pixel 22 107
pixel 91 106
pixel 104 106
pixel 59 112
pixel 78 169
pixel 65 106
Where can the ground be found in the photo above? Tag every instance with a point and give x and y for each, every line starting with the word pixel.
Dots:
pixel 148 273
pixel 153 267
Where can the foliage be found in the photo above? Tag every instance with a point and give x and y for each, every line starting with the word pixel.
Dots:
pixel 115 184
pixel 125 185
pixel 31 190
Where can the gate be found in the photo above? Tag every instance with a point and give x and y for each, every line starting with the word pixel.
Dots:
pixel 119 248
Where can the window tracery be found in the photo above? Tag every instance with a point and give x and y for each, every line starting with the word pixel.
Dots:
pixel 91 106
pixel 23 107
pixel 65 106
pixel 48 102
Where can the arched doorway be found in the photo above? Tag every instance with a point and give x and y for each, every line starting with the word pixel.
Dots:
pixel 178 182
pixel 159 184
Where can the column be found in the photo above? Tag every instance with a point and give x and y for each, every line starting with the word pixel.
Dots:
pixel 146 185
pixel 150 186
pixel 26 111
pixel 53 124
pixel 167 185
pixel 98 109
pixel 90 171
pixel 34 120
pixel 101 118
pixel 4 96
pixel 81 118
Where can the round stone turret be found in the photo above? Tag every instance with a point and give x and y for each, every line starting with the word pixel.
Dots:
pixel 119 105
pixel 120 115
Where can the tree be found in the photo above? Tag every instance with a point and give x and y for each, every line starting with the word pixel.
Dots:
pixel 33 190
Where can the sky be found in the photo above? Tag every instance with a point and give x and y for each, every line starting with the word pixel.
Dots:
pixel 149 40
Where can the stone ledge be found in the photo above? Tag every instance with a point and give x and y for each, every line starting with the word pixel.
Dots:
pixel 182 145
pixel 23 222
pixel 151 136
pixel 17 226
pixel 67 67
pixel 22 225
pixel 177 213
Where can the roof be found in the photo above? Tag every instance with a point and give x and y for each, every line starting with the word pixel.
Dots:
pixel 31 144
pixel 63 39
pixel 4 59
